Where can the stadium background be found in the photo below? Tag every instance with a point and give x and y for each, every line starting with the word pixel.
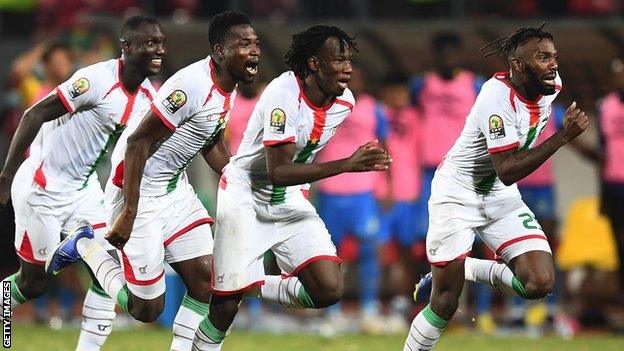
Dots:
pixel 392 35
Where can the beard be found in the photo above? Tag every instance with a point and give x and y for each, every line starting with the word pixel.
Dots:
pixel 537 84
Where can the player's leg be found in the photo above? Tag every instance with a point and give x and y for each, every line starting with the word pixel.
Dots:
pixel 428 325
pixel 453 213
pixel 306 253
pixel 517 238
pixel 188 249
pixel 238 268
pixel 35 235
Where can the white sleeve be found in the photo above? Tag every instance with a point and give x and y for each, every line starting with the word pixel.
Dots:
pixel 278 109
pixel 497 121
pixel 85 88
pixel 176 101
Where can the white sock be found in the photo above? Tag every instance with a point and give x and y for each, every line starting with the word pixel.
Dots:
pixel 185 324
pixel 107 271
pixel 425 331
pixel 498 275
pixel 287 292
pixel 98 314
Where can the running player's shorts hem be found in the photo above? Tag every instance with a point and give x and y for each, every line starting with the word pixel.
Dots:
pixel 442 264
pixel 28 259
pixel 235 292
pixel 521 245
pixel 140 290
pixel 310 261
pixel 188 228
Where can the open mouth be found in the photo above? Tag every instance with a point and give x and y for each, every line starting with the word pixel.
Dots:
pixel 550 79
pixel 343 83
pixel 156 62
pixel 252 68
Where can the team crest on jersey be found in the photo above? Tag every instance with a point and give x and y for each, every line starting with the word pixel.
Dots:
pixel 175 101
pixel 79 87
pixel 497 127
pixel 278 121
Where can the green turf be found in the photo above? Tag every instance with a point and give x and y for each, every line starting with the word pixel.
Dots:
pixel 34 338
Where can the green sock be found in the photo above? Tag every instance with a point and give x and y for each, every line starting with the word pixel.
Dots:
pixel 198 307
pixel 433 318
pixel 211 331
pixel 518 288
pixel 96 289
pixel 16 294
pixel 304 298
pixel 122 298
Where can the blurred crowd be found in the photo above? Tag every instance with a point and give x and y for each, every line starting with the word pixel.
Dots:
pixel 379 221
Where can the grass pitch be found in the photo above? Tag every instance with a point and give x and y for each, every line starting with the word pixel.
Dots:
pixel 36 338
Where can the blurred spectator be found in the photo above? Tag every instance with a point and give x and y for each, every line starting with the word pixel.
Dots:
pixel 346 202
pixel 402 211
pixel 611 125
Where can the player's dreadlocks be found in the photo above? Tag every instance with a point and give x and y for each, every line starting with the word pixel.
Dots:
pixel 508 45
pixel 306 43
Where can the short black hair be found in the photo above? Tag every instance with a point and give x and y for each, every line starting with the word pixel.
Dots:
pixel 221 23
pixel 306 43
pixel 56 46
pixel 133 23
pixel 507 45
pixel 444 40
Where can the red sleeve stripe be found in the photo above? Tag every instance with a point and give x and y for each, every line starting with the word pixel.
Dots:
pixel 503 148
pixel 161 117
pixel 64 100
pixel 276 142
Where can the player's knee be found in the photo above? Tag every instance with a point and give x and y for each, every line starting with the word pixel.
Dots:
pixel 539 284
pixel 33 288
pixel 200 290
pixel 445 304
pixel 330 293
pixel 147 311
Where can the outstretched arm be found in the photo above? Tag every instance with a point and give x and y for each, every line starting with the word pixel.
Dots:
pixel 513 165
pixel 217 154
pixel 284 172
pixel 139 147
pixel 47 109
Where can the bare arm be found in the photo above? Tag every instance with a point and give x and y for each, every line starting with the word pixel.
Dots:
pixel 284 172
pixel 513 165
pixel 150 131
pixel 47 109
pixel 217 155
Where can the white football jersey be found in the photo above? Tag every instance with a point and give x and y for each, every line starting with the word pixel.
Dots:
pixel 192 105
pixel 500 120
pixel 283 114
pixel 67 151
